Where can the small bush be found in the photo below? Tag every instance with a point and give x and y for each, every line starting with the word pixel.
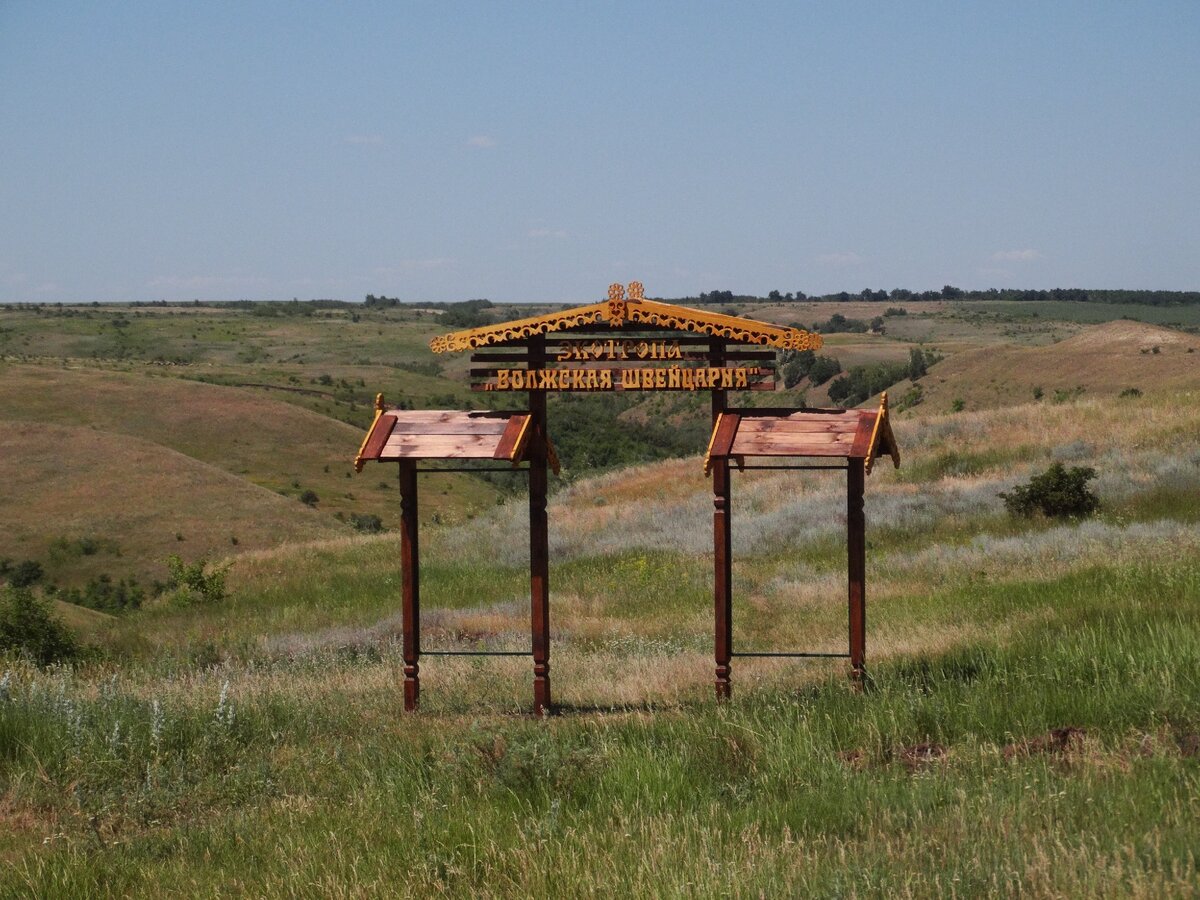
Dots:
pixel 106 595
pixel 27 625
pixel 366 523
pixel 189 583
pixel 24 574
pixel 1058 493
pixel 822 369
pixel 958 405
pixel 1130 392
pixel 309 497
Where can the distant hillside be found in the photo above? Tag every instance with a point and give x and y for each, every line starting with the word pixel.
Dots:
pixel 1102 360
pixel 265 440
pixel 131 503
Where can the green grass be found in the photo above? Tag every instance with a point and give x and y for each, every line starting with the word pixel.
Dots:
pixel 817 791
pixel 1084 313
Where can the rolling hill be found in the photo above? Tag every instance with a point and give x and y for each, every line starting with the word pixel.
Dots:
pixel 265 440
pixel 1102 360
pixel 86 502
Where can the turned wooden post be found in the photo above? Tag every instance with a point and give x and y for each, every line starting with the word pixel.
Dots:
pixel 722 578
pixel 722 547
pixel 539 540
pixel 411 583
pixel 856 545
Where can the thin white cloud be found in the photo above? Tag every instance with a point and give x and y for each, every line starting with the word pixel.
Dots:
pixel 547 233
pixel 1015 255
pixel 364 140
pixel 845 258
pixel 481 140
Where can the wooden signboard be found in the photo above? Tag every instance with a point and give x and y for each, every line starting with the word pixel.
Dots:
pixel 627 343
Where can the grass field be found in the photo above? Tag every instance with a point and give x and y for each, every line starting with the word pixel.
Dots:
pixel 1032 728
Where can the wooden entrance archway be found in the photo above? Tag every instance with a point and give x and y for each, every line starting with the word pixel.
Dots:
pixel 626 343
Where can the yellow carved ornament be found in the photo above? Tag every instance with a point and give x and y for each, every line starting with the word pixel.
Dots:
pixel 617 311
pixel 882 429
pixel 379 407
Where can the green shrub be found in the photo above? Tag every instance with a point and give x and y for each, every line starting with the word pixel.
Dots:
pixel 1064 395
pixel 309 497
pixel 862 382
pixel 27 625
pixel 106 595
pixel 912 397
pixel 1058 493
pixel 189 583
pixel 22 574
pixel 366 523
pixel 794 365
pixel 822 369
pixel 1130 392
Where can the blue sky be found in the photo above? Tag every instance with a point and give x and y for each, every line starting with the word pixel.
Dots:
pixel 540 151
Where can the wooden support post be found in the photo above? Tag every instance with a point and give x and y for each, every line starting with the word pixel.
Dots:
pixel 716 357
pixel 410 566
pixel 722 578
pixel 722 546
pixel 539 542
pixel 856 544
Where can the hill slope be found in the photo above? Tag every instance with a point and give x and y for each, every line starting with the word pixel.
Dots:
pixel 269 442
pixel 1103 360
pixel 138 502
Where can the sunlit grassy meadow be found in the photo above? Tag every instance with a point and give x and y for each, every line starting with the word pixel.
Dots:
pixel 1032 726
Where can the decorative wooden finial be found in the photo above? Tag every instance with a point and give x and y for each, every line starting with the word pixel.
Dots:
pixel 379 406
pixel 616 305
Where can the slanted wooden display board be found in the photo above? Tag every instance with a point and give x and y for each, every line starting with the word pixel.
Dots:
pixel 409 436
pixel 858 437
pixel 626 343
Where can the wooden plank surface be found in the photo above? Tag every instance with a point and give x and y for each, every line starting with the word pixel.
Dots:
pixel 785 439
pixel 771 412
pixel 840 451
pixel 446 415
pixel 789 444
pixel 756 425
pixel 440 446
pixel 455 426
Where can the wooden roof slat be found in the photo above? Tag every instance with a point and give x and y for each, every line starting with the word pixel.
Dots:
pixel 845 433
pixel 768 442
pixel 478 426
pixel 752 425
pixel 466 440
pixel 862 437
pixel 514 439
pixel 377 436
pixel 724 432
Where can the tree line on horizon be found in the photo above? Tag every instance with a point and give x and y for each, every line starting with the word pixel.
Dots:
pixel 472 309
pixel 950 292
